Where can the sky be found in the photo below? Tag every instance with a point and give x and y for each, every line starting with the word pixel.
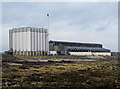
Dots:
pixel 87 22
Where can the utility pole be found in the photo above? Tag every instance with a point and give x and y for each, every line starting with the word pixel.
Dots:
pixel 48 33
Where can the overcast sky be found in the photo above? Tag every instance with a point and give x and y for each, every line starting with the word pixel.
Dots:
pixel 91 22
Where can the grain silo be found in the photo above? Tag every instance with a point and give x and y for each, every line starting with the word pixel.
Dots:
pixel 29 41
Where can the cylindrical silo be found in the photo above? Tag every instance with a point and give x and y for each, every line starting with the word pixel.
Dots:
pixel 24 39
pixel 14 41
pixel 46 42
pixel 38 42
pixel 33 41
pixel 43 40
pixel 28 41
pixel 20 41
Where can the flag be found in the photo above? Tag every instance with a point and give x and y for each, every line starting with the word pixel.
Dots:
pixel 47 14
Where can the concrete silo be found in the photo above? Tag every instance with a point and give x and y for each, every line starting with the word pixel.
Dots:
pixel 29 41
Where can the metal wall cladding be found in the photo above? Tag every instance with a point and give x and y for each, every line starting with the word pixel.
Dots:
pixel 29 41
pixel 65 47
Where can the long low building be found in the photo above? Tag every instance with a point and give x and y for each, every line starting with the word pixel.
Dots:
pixel 73 48
pixel 29 41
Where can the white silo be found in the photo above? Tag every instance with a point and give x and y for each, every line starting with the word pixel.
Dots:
pixel 40 39
pixel 28 41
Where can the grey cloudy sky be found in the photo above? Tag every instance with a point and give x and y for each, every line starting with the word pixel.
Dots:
pixel 95 22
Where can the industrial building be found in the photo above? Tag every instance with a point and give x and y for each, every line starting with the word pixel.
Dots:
pixel 29 41
pixel 73 48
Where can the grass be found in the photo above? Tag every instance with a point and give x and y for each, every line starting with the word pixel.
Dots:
pixel 100 74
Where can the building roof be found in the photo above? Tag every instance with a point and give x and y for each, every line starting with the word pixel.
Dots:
pixel 31 29
pixel 76 44
pixel 91 49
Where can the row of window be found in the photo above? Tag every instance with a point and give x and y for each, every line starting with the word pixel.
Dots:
pixel 87 50
pixel 78 44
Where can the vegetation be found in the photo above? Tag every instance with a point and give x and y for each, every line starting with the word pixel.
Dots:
pixel 54 56
pixel 100 74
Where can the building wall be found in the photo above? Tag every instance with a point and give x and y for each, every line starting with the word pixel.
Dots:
pixel 102 53
pixel 28 41
pixel 66 48
pixel 53 52
pixel 91 53
pixel 80 53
